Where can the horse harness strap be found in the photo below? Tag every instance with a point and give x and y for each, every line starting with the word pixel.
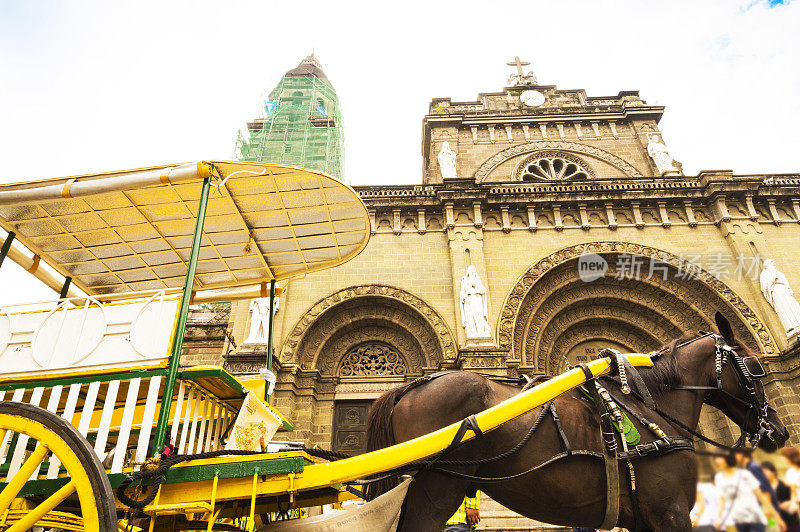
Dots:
pixel 659 446
pixel 469 423
pixel 609 452
pixel 611 412
pixel 627 371
pixel 565 446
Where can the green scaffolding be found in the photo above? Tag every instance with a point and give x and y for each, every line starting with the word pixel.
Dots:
pixel 301 124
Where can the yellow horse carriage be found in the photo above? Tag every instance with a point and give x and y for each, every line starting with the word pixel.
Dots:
pixel 91 389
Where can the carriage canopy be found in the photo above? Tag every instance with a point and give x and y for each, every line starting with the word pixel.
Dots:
pixel 131 231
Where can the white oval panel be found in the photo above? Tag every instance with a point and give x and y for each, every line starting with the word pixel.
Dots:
pixel 68 335
pixel 150 319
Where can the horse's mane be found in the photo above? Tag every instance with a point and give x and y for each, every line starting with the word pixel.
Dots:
pixel 665 372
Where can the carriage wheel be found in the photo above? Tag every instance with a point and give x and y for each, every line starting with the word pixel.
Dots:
pixel 85 502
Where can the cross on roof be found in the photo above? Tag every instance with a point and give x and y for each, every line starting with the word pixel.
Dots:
pixel 519 77
pixel 519 64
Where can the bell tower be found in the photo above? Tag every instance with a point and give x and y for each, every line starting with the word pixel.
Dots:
pixel 539 133
pixel 300 123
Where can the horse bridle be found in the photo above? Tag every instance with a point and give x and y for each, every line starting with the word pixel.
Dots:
pixel 749 371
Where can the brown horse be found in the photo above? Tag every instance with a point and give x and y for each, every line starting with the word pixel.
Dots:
pixel 572 491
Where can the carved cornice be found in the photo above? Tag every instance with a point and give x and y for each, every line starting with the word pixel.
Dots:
pixel 529 147
pixel 510 310
pixel 603 187
pixel 621 190
pixel 395 191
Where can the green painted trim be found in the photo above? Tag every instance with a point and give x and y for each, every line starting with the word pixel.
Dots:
pixel 84 379
pixel 226 432
pixel 271 327
pixel 177 475
pixel 269 466
pixel 65 287
pixel 6 246
pixel 41 487
pixel 49 486
pixel 183 314
pixel 191 374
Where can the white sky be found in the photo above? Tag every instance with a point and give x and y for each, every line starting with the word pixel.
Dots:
pixel 90 86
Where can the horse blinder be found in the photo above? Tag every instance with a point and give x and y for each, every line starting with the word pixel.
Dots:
pixel 754 367
pixel 748 371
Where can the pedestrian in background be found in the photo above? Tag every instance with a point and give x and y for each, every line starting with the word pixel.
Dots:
pixel 745 458
pixel 741 498
pixel 467 516
pixel 792 475
pixel 783 501
pixel 706 508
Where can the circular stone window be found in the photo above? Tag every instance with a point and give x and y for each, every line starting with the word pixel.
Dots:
pixel 553 167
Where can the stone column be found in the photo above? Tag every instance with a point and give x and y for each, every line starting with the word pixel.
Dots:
pixel 745 239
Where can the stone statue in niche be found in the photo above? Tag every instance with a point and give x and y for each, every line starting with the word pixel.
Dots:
pixel 447 160
pixel 776 290
pixel 657 150
pixel 474 306
pixel 259 320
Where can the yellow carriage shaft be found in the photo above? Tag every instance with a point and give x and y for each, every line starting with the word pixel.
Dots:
pixel 321 475
pixel 131 231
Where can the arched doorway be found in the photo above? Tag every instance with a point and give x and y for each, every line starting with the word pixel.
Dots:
pixel 635 300
pixel 351 347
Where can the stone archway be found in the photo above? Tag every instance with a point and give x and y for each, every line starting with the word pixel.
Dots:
pixel 553 315
pixel 550 303
pixel 346 350
pixel 564 145
pixel 347 319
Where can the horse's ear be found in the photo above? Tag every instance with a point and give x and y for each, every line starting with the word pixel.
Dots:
pixel 724 326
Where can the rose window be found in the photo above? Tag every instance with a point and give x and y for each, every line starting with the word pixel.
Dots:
pixel 372 359
pixel 553 168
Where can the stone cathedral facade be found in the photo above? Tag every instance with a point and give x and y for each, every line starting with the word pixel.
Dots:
pixel 585 234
